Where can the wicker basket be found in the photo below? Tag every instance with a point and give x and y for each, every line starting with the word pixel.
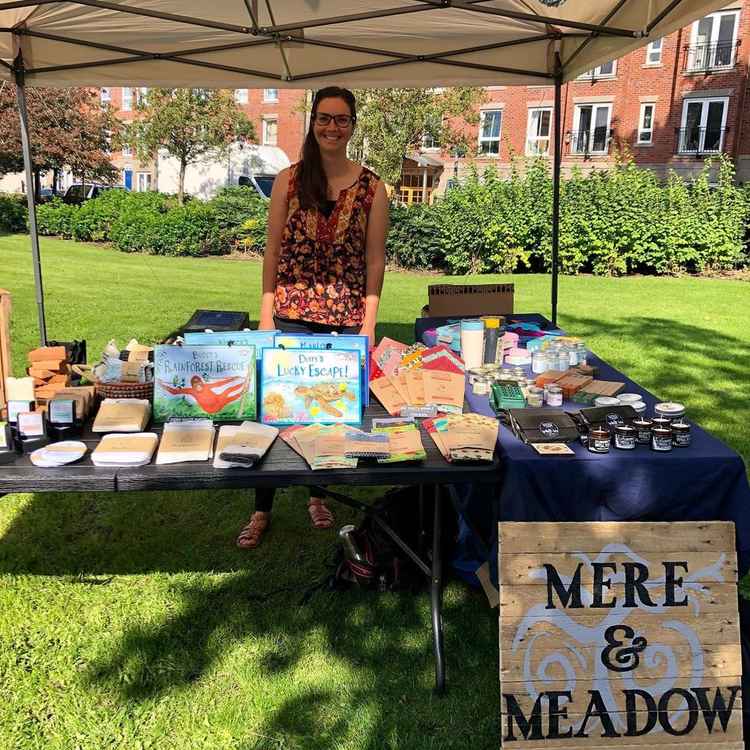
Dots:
pixel 115 390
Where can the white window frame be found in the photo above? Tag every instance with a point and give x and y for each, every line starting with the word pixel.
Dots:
pixel 654 52
pixel 490 139
pixel 105 95
pixel 692 64
pixel 596 73
pixel 642 129
pixel 264 128
pixel 127 150
pixel 576 127
pixel 127 99
pixel 270 97
pixel 144 177
pixel 241 96
pixel 533 139
pixel 140 94
pixel 702 124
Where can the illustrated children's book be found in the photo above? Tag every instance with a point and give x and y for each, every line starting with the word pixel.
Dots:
pixel 217 382
pixel 332 341
pixel 307 386
pixel 258 339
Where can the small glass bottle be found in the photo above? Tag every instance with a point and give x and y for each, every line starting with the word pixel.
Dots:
pixel 582 353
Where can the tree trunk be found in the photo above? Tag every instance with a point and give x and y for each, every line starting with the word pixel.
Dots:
pixel 37 185
pixel 55 178
pixel 181 183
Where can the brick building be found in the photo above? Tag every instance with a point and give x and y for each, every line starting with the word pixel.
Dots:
pixel 670 104
pixel 277 114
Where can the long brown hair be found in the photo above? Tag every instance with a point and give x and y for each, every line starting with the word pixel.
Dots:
pixel 312 182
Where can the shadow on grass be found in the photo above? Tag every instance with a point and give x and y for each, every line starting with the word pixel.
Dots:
pixel 351 669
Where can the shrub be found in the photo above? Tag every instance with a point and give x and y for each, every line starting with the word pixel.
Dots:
pixel 413 240
pixel 242 217
pixel 13 213
pixel 56 218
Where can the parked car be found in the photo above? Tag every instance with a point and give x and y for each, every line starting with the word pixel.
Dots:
pixel 78 193
pixel 261 183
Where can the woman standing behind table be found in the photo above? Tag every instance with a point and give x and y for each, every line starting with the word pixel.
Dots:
pixel 325 253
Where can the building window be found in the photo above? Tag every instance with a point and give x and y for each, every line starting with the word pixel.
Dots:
pixel 606 70
pixel 703 126
pixel 270 95
pixel 653 52
pixel 143 183
pixel 240 96
pixel 270 131
pixel 646 123
pixel 429 141
pixel 105 96
pixel 537 131
pixel 127 99
pixel 713 42
pixel 590 129
pixel 490 121
pixel 126 150
pixel 140 95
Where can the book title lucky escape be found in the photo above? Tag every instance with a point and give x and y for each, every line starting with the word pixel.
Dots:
pixel 303 386
pixel 217 382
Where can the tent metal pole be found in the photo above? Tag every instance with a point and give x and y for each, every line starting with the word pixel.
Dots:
pixel 557 159
pixel 30 197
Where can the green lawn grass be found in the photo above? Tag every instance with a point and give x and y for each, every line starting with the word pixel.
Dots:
pixel 131 621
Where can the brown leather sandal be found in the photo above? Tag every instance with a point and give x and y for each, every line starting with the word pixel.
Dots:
pixel 320 515
pixel 251 534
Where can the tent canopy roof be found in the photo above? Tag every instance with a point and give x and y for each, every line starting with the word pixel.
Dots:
pixel 312 43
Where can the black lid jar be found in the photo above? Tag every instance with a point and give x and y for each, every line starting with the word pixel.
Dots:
pixel 599 439
pixel 643 427
pixel 681 434
pixel 661 439
pixel 625 437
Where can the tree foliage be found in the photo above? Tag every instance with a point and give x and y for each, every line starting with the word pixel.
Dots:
pixel 69 129
pixel 391 124
pixel 189 124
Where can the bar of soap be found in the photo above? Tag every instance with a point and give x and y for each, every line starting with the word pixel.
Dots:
pixel 19 389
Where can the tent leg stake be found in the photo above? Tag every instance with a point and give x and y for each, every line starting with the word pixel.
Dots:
pixel 556 189
pixel 31 200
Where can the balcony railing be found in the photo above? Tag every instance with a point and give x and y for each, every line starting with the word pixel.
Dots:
pixel 700 141
pixel 589 142
pixel 705 58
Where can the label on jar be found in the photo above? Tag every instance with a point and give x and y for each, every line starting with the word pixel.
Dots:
pixel 599 445
pixel 681 439
pixel 661 442
pixel 644 435
pixel 625 442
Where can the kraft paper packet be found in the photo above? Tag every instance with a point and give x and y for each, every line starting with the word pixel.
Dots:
pixel 386 392
pixel 399 383
pixel 191 440
pixel 405 444
pixel 122 415
pixel 415 387
pixel 19 389
pixel 443 388
pixel 125 450
pixel 249 438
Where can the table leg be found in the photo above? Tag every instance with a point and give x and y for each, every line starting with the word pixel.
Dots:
pixel 436 598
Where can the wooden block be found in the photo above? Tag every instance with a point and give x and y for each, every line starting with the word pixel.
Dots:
pixel 47 352
pixel 550 376
pixel 46 392
pixel 61 378
pixel 572 382
pixel 50 364
pixel 604 387
pixel 40 372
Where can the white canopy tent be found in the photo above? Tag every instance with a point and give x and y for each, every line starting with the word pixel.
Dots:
pixel 314 43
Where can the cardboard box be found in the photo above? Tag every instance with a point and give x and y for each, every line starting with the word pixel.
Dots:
pixel 470 299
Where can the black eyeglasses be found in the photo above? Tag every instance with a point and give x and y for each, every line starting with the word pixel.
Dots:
pixel 342 121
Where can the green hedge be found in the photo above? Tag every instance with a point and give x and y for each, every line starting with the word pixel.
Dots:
pixel 619 221
pixel 12 213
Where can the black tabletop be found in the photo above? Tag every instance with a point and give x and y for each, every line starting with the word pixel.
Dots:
pixel 281 467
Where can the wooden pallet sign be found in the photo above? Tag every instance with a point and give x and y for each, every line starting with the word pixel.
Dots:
pixel 619 635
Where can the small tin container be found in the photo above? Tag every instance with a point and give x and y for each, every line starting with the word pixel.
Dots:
pixel 681 434
pixel 628 398
pixel 554 395
pixel 625 437
pixel 598 441
pixel 661 439
pixel 481 386
pixel 639 407
pixel 672 410
pixel 642 430
pixel 606 401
